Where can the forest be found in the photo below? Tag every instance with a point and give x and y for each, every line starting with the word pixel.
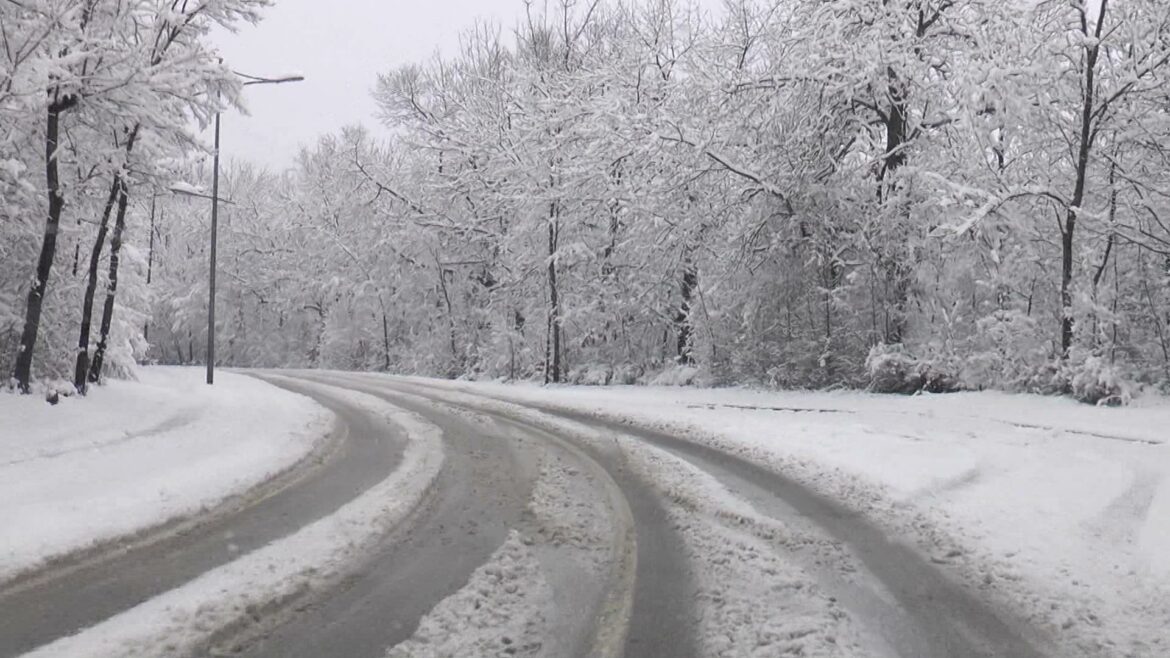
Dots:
pixel 901 195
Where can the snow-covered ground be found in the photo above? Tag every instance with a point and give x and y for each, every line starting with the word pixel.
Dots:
pixel 132 455
pixel 1059 509
pixel 182 621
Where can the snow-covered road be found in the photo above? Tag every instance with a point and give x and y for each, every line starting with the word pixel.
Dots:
pixel 134 455
pixel 1056 510
pixel 772 566
pixel 454 519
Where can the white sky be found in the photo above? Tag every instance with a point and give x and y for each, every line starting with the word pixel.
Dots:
pixel 340 46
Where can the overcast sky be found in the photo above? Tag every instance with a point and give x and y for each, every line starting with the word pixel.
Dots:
pixel 340 46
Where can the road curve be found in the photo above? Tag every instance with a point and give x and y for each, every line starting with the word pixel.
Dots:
pixel 494 454
pixel 930 614
pixel 481 493
pixel 62 600
pixel 483 487
pixel 662 620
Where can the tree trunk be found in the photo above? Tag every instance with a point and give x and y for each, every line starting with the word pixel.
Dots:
pixel 682 319
pixel 36 294
pixel 99 354
pixel 81 366
pixel 895 122
pixel 1068 230
pixel 897 273
pixel 149 269
pixel 1109 241
pixel 552 355
pixel 77 249
pixel 385 343
pixel 457 363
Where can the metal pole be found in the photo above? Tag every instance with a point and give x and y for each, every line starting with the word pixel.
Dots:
pixel 215 223
pixel 149 266
pixel 211 275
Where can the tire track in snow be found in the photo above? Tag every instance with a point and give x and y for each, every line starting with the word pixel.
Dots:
pixel 1122 520
pixel 176 421
pixel 480 494
pixel 662 618
pixel 933 615
pixel 930 616
pixel 547 591
pixel 949 486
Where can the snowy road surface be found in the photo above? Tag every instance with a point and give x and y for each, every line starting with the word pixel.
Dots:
pixel 136 454
pixel 441 520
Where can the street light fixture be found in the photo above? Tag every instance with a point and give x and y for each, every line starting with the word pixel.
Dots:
pixel 180 188
pixel 248 80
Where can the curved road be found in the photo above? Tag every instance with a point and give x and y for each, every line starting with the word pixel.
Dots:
pixel 641 603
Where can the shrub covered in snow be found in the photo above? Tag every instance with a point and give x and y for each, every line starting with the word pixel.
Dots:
pixel 675 376
pixel 1009 350
pixel 1012 351
pixel 591 374
pixel 893 370
pixel 627 373
pixel 1093 380
pixel 601 374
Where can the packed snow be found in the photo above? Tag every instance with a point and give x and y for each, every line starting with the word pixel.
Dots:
pixel 134 455
pixel 754 600
pixel 1058 509
pixel 183 620
pixel 568 561
pixel 500 612
pixel 582 531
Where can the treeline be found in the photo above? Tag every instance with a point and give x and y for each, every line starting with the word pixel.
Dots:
pixel 912 194
pixel 909 194
pixel 100 106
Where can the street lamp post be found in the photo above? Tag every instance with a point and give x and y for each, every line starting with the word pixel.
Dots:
pixel 248 80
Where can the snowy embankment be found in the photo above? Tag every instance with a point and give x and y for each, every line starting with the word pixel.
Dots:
pixel 184 620
pixel 1055 508
pixel 134 455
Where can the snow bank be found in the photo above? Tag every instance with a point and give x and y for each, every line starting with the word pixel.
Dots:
pixel 1057 508
pixel 132 455
pixel 181 621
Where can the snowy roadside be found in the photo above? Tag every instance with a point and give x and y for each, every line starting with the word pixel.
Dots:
pixel 1055 508
pixel 182 621
pixel 134 455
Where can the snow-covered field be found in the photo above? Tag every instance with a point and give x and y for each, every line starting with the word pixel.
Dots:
pixel 132 455
pixel 1059 509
